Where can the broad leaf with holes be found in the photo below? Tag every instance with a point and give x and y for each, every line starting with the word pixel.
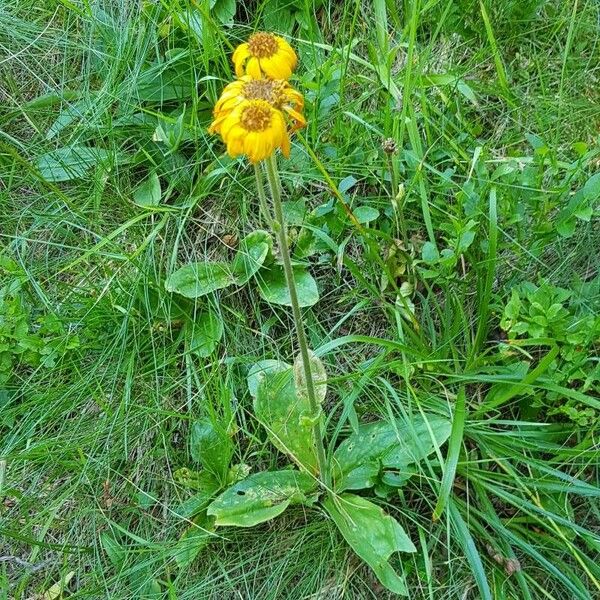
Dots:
pixel 198 279
pixel 254 250
pixel 372 534
pixel 287 417
pixel 360 458
pixel 262 497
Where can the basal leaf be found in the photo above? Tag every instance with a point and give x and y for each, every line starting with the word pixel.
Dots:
pixel 193 540
pixel 365 214
pixel 372 534
pixel 212 447
pixel 262 368
pixel 286 417
pixel 261 497
pixel 198 279
pixel 74 162
pixel 204 333
pixel 273 288
pixel 251 255
pixel 319 377
pixel 148 193
pixel 359 459
pixel 206 486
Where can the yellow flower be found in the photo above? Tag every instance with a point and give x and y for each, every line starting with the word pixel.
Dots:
pixel 256 129
pixel 265 54
pixel 277 92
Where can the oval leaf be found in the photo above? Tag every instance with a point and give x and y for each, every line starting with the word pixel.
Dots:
pixel 286 417
pixel 198 279
pixel 251 255
pixel 204 334
pixel 148 193
pixel 260 369
pixel 372 534
pixel 365 214
pixel 359 459
pixel 273 287
pixel 319 377
pixel 261 497
pixel 212 447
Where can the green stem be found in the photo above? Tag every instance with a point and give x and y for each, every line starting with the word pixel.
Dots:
pixel 262 196
pixel 275 186
pixel 398 206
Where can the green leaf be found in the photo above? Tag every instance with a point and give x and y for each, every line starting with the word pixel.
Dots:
pixel 458 426
pixel 73 162
pixel 591 189
pixel 294 212
pixel 261 497
pixel 319 377
pixel 286 417
pixel 277 16
pixel 372 534
pixel 224 10
pixel 148 193
pixel 204 333
pixel 365 214
pixel 251 255
pixel 193 540
pixel 162 82
pixel 198 279
pixel 430 253
pixel 359 459
pixel 263 367
pixel 206 486
pixel 273 287
pixel 115 552
pixel 211 446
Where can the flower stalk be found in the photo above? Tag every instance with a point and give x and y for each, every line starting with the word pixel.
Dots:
pixel 279 222
pixel 262 196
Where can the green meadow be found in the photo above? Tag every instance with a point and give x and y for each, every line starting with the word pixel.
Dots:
pixel 421 422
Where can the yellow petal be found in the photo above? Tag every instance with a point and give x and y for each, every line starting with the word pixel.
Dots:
pixel 215 126
pixel 230 103
pixel 285 145
pixel 285 48
pixel 239 56
pixel 235 146
pixel 299 120
pixel 294 97
pixel 276 67
pixel 250 147
pixel 232 119
pixel 253 68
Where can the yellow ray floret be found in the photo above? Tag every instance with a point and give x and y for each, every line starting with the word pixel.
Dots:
pixel 277 92
pixel 256 129
pixel 265 54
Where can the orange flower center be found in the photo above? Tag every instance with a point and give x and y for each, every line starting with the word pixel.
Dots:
pixel 257 116
pixel 262 45
pixel 264 89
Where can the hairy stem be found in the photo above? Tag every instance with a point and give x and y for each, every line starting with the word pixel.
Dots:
pixel 275 186
pixel 262 196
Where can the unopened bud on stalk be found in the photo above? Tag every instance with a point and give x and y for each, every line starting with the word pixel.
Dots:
pixel 389 146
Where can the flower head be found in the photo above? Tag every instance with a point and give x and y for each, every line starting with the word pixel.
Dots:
pixel 265 54
pixel 254 128
pixel 277 92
